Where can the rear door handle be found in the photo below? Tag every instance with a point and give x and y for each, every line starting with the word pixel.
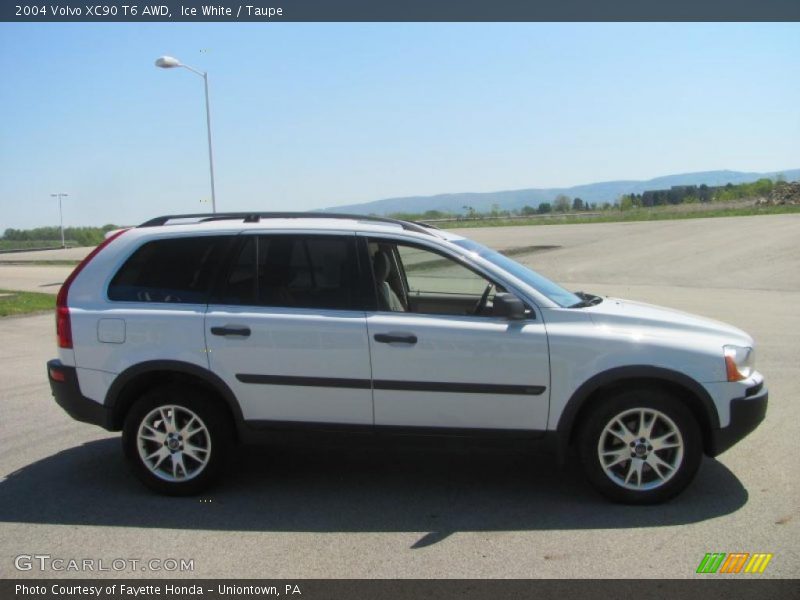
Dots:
pixel 400 338
pixel 237 330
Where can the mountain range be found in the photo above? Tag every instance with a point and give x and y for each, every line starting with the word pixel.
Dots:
pixel 606 191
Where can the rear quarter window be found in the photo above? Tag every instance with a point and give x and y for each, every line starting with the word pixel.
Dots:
pixel 176 270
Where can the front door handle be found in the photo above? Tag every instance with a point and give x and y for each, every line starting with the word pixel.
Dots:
pixel 400 338
pixel 237 330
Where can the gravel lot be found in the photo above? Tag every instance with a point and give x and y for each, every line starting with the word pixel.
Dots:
pixel 422 512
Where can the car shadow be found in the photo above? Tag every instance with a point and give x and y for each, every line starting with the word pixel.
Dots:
pixel 352 488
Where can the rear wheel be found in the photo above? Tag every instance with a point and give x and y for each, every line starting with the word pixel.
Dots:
pixel 176 439
pixel 640 446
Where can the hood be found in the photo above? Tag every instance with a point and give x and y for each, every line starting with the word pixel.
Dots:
pixel 657 321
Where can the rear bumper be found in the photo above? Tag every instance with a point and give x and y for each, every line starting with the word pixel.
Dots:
pixel 746 414
pixel 67 392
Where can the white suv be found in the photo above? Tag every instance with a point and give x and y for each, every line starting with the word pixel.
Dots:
pixel 191 332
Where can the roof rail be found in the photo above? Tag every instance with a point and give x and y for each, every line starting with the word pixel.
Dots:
pixel 255 217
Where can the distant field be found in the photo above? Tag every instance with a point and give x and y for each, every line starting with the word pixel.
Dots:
pixel 661 213
pixel 33 244
pixel 42 263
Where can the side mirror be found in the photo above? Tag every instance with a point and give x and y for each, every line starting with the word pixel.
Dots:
pixel 508 306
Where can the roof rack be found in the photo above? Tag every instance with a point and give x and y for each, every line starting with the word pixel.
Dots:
pixel 256 217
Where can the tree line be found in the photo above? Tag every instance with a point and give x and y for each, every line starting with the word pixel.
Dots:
pixel 79 236
pixel 680 194
pixel 692 194
pixel 561 204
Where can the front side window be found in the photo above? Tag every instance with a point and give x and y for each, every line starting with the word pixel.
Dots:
pixel 294 271
pixel 552 290
pixel 176 270
pixel 414 279
pixel 428 272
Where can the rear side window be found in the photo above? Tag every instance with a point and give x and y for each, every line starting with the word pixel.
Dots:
pixel 295 271
pixel 180 270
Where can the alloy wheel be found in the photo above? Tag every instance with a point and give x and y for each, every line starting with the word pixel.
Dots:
pixel 173 443
pixel 640 449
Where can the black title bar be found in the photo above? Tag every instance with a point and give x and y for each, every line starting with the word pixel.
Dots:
pixel 744 588
pixel 272 11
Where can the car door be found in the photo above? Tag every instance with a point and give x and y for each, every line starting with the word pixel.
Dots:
pixel 285 331
pixel 435 362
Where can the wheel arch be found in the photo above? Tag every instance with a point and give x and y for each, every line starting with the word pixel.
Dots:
pixel 136 380
pixel 690 392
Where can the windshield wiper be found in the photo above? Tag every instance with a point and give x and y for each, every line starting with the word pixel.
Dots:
pixel 586 300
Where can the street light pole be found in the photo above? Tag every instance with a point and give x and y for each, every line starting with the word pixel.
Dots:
pixel 60 195
pixel 168 62
pixel 210 151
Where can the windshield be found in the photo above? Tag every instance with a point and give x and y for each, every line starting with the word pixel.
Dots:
pixel 554 292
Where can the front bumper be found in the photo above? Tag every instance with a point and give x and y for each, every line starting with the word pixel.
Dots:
pixel 746 414
pixel 67 392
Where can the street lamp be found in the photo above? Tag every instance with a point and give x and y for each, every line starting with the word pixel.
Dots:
pixel 60 195
pixel 169 62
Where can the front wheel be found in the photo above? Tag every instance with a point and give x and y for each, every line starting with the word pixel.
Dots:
pixel 176 440
pixel 640 446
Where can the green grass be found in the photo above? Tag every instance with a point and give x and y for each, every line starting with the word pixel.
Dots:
pixel 642 214
pixel 21 303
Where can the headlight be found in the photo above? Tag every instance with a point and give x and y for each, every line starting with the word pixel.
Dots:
pixel 739 362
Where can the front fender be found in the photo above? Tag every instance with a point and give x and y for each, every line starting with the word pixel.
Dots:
pixel 702 403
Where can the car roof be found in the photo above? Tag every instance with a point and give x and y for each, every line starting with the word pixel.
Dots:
pixel 290 221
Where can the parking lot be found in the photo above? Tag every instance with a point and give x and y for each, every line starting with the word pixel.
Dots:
pixel 423 512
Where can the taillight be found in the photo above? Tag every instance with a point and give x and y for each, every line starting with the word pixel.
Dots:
pixel 63 323
pixel 63 327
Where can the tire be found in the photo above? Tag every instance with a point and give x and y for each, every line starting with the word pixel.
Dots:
pixel 177 439
pixel 640 446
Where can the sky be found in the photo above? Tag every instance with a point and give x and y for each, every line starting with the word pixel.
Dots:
pixel 309 115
